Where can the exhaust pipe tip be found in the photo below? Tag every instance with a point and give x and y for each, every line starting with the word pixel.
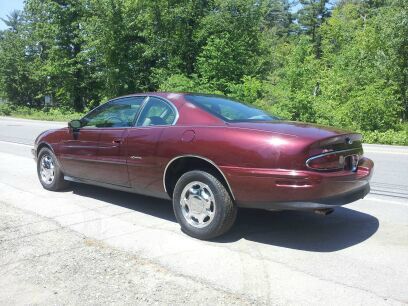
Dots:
pixel 323 211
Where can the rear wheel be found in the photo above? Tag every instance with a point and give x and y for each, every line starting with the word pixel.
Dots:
pixel 202 205
pixel 49 172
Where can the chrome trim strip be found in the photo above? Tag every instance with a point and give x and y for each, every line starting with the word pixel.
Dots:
pixel 49 146
pixel 114 100
pixel 200 157
pixel 329 153
pixel 176 117
pixel 145 101
pixel 146 98
pixel 140 111
pixel 46 144
pixel 135 157
pixel 81 147
pixel 102 161
pixel 171 105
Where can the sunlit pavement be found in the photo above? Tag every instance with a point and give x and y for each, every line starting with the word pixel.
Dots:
pixel 357 255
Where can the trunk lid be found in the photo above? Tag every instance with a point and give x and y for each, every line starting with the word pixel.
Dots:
pixel 297 129
pixel 316 138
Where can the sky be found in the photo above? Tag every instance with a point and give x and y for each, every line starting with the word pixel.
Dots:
pixel 6 6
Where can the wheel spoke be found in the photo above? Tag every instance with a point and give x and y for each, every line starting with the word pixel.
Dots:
pixel 197 204
pixel 209 213
pixel 201 218
pixel 47 169
pixel 194 191
pixel 185 203
pixel 207 205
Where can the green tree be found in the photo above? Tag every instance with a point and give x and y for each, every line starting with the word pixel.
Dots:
pixel 311 16
pixel 342 63
pixel 230 35
pixel 55 26
pixel 13 20
pixel 17 81
pixel 357 89
pixel 293 88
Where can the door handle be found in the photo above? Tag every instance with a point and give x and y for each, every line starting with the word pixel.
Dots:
pixel 117 141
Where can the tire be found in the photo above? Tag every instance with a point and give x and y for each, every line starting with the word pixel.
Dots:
pixel 54 182
pixel 198 194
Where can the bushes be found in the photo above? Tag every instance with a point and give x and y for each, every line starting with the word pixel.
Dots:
pixel 179 83
pixel 5 109
pixel 49 114
pixel 399 136
pixel 391 137
pixel 249 91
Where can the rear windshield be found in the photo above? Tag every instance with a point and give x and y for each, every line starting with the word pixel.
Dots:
pixel 229 110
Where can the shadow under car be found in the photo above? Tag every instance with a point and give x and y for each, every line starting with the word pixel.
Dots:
pixel 299 230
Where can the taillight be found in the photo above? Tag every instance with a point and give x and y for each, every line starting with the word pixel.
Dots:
pixel 334 161
pixel 326 162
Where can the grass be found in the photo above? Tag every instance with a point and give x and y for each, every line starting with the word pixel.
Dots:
pixel 391 137
pixel 51 114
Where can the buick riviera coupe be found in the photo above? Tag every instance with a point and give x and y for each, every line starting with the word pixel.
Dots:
pixel 209 154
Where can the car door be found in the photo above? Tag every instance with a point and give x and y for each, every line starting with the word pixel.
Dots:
pixel 97 150
pixel 144 170
pixel 79 152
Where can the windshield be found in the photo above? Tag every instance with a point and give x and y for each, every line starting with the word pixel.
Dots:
pixel 229 110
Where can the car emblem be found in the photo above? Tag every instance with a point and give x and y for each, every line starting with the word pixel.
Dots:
pixel 349 141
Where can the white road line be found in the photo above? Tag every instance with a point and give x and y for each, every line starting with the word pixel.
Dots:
pixel 24 120
pixel 375 199
pixel 16 143
pixel 386 152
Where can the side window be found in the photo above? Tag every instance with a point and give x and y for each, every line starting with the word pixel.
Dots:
pixel 156 112
pixel 224 110
pixel 118 113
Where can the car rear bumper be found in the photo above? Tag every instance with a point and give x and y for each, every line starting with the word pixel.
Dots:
pixel 338 200
pixel 277 189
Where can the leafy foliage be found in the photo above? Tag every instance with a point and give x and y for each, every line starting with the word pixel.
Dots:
pixel 344 65
pixel 49 114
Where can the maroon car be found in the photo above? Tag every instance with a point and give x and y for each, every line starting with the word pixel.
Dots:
pixel 207 153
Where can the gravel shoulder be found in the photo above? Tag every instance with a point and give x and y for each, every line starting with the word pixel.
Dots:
pixel 45 263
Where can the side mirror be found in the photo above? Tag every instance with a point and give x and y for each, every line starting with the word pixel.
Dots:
pixel 75 124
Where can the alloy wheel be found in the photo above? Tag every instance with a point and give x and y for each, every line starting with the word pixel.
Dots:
pixel 47 169
pixel 198 204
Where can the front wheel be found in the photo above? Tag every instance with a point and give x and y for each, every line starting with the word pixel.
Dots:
pixel 202 205
pixel 49 172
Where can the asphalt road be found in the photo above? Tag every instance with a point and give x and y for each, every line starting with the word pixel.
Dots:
pixel 61 247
